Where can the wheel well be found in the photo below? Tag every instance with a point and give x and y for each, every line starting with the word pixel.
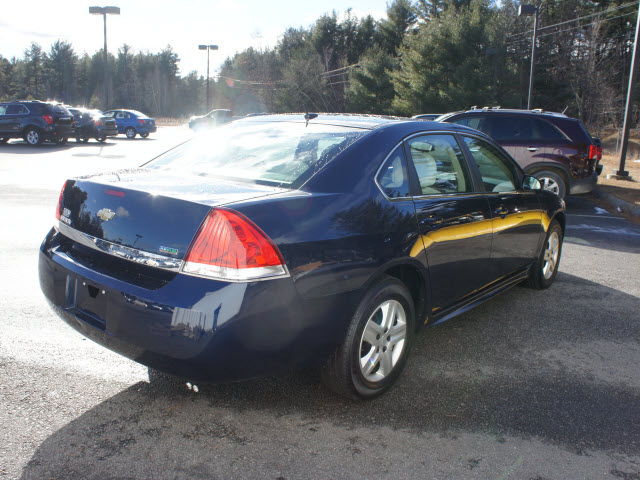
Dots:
pixel 561 220
pixel 415 283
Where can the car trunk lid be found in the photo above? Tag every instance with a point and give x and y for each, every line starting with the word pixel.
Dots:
pixel 154 212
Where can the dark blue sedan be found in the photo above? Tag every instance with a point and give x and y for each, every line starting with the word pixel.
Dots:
pixel 285 241
pixel 132 123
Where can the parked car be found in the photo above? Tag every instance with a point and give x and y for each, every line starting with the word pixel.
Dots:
pixel 283 241
pixel 35 122
pixel 427 116
pixel 92 124
pixel 132 123
pixel 554 148
pixel 212 119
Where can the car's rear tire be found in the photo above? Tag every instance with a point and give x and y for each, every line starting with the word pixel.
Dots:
pixel 144 135
pixel 552 182
pixel 4 140
pixel 544 271
pixel 130 132
pixel 376 345
pixel 62 141
pixel 101 139
pixel 33 136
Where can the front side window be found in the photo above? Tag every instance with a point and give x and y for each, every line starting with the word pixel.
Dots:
pixel 3 109
pixel 497 172
pixel 393 177
pixel 439 164
pixel 271 153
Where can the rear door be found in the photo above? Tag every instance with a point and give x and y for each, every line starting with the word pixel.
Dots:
pixel 454 219
pixel 517 215
pixel 13 118
pixel 4 125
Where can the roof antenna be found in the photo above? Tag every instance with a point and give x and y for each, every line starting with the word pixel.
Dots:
pixel 565 109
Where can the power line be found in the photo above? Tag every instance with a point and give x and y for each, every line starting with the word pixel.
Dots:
pixel 572 28
pixel 612 9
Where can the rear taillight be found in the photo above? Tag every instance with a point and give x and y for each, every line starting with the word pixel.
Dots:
pixel 48 119
pixel 228 246
pixel 59 207
pixel 141 122
pixel 99 123
pixel 595 152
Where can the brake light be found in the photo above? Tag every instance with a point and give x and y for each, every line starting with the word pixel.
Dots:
pixel 59 207
pixel 48 119
pixel 99 123
pixel 595 152
pixel 141 122
pixel 229 246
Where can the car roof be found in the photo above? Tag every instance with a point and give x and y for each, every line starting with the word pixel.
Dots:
pixel 516 111
pixel 338 119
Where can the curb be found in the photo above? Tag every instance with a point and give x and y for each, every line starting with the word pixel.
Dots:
pixel 621 206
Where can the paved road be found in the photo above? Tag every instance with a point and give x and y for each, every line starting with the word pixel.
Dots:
pixel 531 385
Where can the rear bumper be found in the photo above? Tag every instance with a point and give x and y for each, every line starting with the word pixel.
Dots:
pixel 193 327
pixel 108 132
pixel 583 185
pixel 59 131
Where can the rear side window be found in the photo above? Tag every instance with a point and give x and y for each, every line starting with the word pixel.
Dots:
pixel 545 131
pixel 272 153
pixel 497 172
pixel 16 110
pixel 439 164
pixel 393 179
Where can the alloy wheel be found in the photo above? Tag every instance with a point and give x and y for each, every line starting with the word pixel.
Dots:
pixel 550 184
pixel 551 255
pixel 33 137
pixel 383 340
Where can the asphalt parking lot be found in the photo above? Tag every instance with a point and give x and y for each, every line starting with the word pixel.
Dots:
pixel 531 385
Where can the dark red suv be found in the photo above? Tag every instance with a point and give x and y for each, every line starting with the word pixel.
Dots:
pixel 554 148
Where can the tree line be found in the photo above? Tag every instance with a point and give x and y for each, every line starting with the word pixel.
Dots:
pixel 426 56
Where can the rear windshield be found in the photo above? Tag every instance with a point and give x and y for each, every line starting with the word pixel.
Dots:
pixel 59 109
pixel 271 153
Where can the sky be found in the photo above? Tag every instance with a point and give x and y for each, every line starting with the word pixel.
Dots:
pixel 233 25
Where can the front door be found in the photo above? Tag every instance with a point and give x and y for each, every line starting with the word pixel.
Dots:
pixel 454 220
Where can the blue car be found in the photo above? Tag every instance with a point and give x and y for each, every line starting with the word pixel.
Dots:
pixel 285 241
pixel 132 123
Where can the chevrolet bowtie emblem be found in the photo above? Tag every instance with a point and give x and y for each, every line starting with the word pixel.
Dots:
pixel 106 214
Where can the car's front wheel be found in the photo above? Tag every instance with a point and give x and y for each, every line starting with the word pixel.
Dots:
pixel 376 345
pixel 130 132
pixel 544 271
pixel 32 136
pixel 553 182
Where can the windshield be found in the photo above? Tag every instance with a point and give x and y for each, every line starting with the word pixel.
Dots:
pixel 272 153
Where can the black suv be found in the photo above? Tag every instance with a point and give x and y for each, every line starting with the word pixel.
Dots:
pixel 554 148
pixel 92 124
pixel 35 122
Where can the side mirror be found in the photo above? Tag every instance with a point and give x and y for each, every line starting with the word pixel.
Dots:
pixel 531 183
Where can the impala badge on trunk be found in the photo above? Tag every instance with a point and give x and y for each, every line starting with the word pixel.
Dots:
pixel 106 214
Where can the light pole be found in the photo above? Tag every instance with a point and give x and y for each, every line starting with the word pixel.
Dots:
pixel 527 11
pixel 208 48
pixel 104 11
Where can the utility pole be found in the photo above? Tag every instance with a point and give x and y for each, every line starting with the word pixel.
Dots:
pixel 208 48
pixel 527 11
pixel 104 11
pixel 621 173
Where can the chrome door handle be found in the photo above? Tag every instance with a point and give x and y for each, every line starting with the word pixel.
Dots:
pixel 501 210
pixel 431 220
pixel 532 149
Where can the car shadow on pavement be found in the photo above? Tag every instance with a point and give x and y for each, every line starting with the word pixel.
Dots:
pixel 558 366
pixel 23 148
